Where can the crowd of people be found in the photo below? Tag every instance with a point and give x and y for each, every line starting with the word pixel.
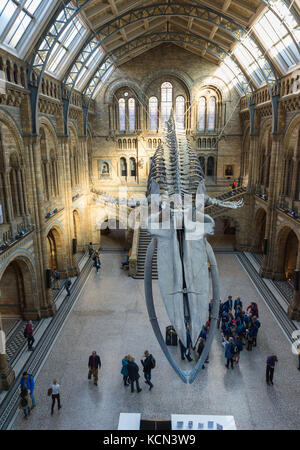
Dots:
pixel 130 370
pixel 238 327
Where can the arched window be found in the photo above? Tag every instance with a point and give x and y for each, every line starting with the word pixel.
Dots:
pixel 153 113
pixel 131 114
pixel 132 167
pixel 180 111
pixel 210 166
pixel 120 144
pixel 202 163
pixel 166 101
pixel 201 113
pixel 123 167
pixel 211 120
pixel 122 122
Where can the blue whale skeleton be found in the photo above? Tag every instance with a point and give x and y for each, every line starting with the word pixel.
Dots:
pixel 182 249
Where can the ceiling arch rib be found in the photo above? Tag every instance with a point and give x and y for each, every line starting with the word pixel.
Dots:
pixel 147 12
pixel 115 57
pixel 162 10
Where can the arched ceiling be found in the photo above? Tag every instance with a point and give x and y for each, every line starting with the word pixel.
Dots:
pixel 254 41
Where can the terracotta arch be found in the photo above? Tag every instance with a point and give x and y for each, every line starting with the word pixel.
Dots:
pixel 77 227
pixel 259 229
pixel 18 288
pixel 55 246
pixel 287 249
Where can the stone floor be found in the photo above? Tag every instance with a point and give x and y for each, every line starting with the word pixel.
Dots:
pixel 110 317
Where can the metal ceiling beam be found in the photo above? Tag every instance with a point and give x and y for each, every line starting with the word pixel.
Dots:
pixel 69 10
pixel 202 13
pixel 114 58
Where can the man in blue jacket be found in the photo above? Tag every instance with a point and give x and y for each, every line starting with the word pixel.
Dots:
pixel 228 304
pixel 27 380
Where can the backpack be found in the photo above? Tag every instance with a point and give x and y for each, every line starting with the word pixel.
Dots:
pixel 24 402
pixel 25 333
pixel 152 362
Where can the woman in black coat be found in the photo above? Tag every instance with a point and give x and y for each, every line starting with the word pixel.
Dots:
pixel 133 373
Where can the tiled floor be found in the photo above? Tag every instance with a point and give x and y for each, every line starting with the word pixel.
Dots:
pixel 111 317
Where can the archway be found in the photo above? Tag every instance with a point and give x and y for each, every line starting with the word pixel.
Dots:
pixel 287 253
pixel 54 244
pixel 77 230
pixel 291 253
pixel 16 287
pixel 225 234
pixel 259 230
pixel 112 235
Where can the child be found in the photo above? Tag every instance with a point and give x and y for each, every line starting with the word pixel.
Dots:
pixel 25 402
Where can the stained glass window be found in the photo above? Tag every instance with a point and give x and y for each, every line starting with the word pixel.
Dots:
pixel 166 101
pixel 180 111
pixel 211 119
pixel 131 114
pixel 122 122
pixel 153 113
pixel 201 113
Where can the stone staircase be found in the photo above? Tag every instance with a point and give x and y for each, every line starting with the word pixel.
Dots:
pixel 145 238
pixel 144 241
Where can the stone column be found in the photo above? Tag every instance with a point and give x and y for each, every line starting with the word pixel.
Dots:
pixel 267 268
pixel 7 375
pixel 47 306
pixel 72 268
pixel 20 193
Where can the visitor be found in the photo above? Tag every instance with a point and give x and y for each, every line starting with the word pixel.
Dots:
pixel 56 278
pixel 90 249
pixel 252 308
pixel 97 263
pixel 124 370
pixel 227 305
pixel 25 402
pixel 28 334
pixel 133 374
pixel 94 365
pixel 55 390
pixel 238 349
pixel 148 364
pixel 68 283
pixel 234 184
pixel 251 336
pixel 27 381
pixel 229 352
pixel 200 347
pixel 271 360
pixel 237 303
pixel 256 324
